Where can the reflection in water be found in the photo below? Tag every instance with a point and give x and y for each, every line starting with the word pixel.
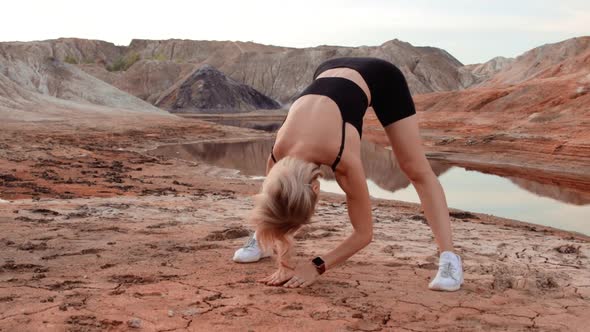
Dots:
pixel 247 156
pixel 492 194
pixel 382 168
pixel 554 191
pixel 464 189
pixel 250 158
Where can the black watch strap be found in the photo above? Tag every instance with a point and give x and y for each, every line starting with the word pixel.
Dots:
pixel 319 264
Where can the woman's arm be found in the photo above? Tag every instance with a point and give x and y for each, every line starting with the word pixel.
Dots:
pixel 354 184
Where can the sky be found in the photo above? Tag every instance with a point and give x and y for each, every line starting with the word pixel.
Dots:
pixel 473 31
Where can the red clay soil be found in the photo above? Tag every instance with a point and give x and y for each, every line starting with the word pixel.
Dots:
pixel 97 235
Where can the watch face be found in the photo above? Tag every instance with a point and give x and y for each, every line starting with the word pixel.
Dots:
pixel 317 261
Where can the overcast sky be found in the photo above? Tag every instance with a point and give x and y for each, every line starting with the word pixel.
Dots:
pixel 471 30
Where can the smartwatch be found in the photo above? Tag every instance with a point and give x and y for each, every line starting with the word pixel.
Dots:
pixel 319 264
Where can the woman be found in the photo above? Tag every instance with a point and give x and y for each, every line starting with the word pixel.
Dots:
pixel 324 126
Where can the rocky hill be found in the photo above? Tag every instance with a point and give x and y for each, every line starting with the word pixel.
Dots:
pixel 101 73
pixel 483 71
pixel 35 84
pixel 207 90
pixel 283 75
pixel 278 72
pixel 149 68
pixel 541 91
pixel 146 79
pixel 537 62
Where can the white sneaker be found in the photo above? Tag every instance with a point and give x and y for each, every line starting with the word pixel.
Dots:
pixel 450 273
pixel 250 252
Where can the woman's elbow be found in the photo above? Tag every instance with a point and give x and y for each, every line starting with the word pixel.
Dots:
pixel 365 238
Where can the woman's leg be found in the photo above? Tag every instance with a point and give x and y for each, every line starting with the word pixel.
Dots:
pixel 406 143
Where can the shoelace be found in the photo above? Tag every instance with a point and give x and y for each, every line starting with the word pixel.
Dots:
pixel 448 270
pixel 251 243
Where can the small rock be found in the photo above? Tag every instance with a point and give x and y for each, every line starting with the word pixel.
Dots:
pixel 418 217
pixel 134 323
pixel 170 313
pixel 293 306
pixel 33 246
pixel 463 215
pixel 568 249
pixel 546 282
pixel 49 299
pixel 190 312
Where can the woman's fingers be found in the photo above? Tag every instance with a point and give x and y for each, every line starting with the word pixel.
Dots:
pixel 279 281
pixel 289 283
pixel 268 279
pixel 272 280
pixel 305 284
pixel 293 282
pixel 281 278
pixel 297 284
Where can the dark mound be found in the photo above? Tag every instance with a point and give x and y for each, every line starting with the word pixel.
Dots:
pixel 207 90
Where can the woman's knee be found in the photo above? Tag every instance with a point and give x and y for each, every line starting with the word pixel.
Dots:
pixel 416 171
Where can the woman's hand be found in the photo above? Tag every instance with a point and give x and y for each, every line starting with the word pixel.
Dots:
pixel 305 274
pixel 278 278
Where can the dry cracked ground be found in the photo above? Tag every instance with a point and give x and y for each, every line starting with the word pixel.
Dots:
pixel 97 236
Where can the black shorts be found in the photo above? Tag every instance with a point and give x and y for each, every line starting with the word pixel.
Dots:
pixel 390 96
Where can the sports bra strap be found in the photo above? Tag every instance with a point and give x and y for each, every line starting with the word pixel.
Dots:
pixel 338 157
pixel 341 147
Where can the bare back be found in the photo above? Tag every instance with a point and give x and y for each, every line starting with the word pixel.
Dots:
pixel 313 128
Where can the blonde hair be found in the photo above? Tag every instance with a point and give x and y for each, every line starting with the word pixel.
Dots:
pixel 286 202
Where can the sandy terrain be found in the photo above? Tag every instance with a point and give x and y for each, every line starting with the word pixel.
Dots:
pixel 98 236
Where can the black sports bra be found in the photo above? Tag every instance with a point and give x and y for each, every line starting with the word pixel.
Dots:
pixel 351 100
